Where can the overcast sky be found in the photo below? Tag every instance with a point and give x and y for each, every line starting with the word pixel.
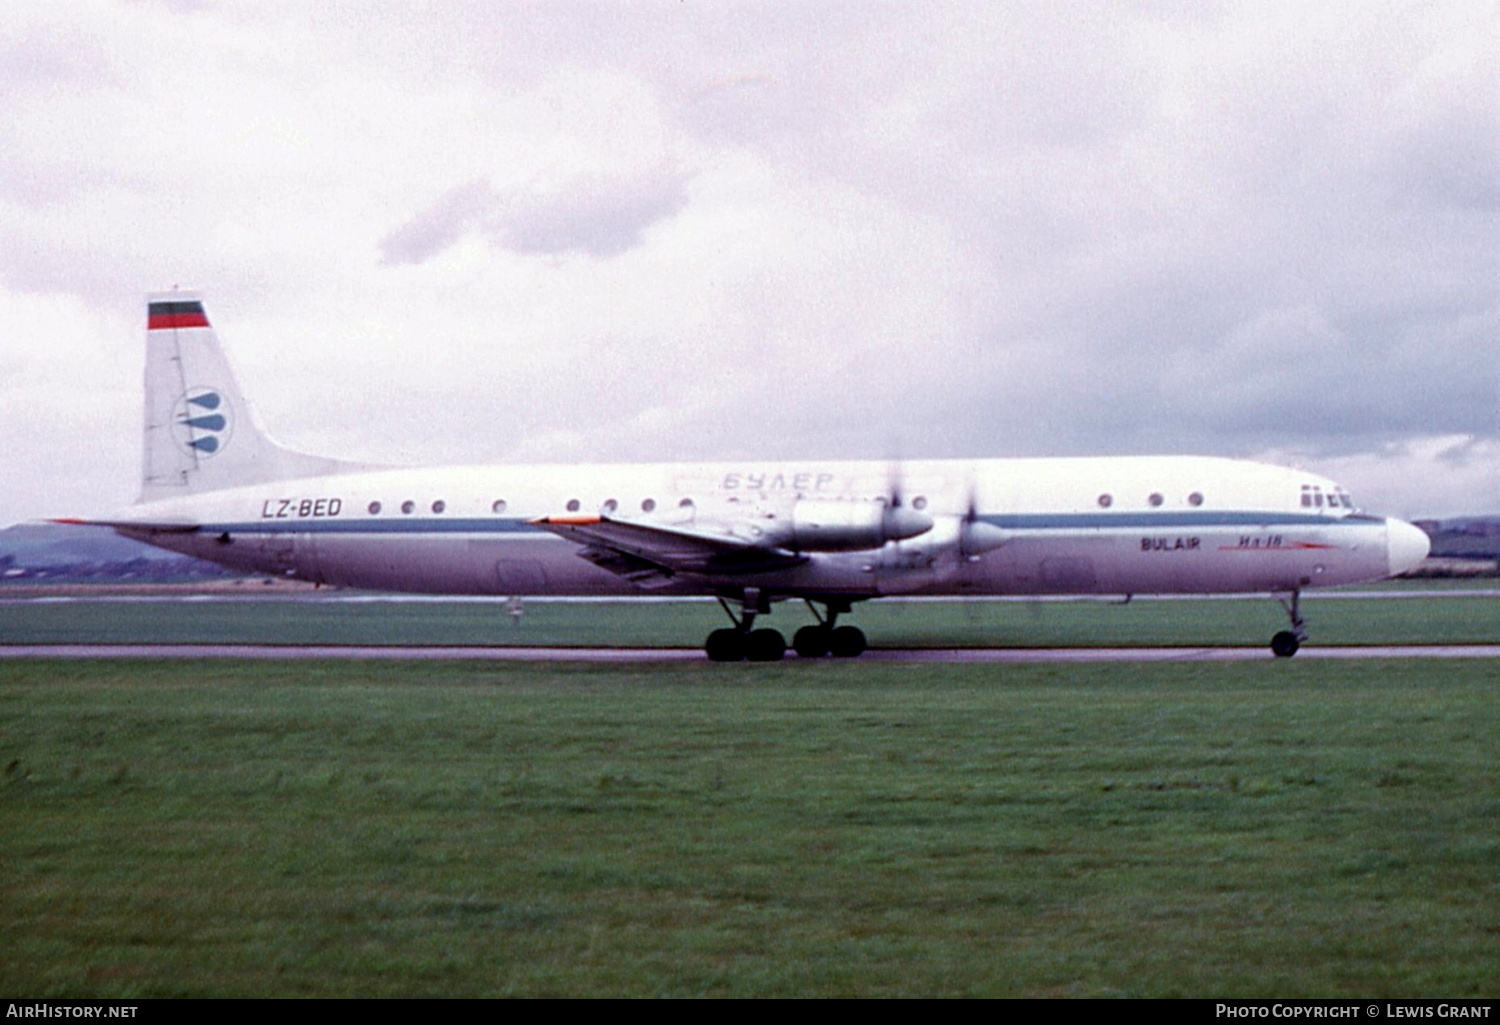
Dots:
pixel 552 231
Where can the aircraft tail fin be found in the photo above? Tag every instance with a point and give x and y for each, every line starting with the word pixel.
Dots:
pixel 200 434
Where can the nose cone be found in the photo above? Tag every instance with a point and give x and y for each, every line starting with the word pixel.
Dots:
pixel 1405 546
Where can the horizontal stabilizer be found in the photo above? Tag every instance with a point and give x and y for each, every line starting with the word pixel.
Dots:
pixel 133 525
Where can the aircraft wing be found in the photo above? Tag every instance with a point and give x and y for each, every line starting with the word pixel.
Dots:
pixel 650 554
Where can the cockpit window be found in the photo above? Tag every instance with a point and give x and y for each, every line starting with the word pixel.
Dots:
pixel 1313 497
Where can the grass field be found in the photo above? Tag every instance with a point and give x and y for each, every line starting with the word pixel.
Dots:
pixel 1259 829
pixel 1331 621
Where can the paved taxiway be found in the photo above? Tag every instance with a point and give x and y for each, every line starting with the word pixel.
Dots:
pixel 628 655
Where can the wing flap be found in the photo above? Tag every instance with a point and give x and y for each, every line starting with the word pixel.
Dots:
pixel 632 548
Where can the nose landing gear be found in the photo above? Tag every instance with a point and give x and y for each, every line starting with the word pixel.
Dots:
pixel 1286 642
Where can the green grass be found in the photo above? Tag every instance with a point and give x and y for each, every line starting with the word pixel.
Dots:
pixel 1331 621
pixel 1268 829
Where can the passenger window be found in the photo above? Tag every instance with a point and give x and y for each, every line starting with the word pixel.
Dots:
pixel 573 505
pixel 648 505
pixel 407 506
pixel 1156 498
pixel 439 506
pixel 374 508
pixel 1195 499
pixel 1106 500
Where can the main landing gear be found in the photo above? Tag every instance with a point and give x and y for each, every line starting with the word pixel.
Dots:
pixel 1286 643
pixel 742 641
pixel 826 637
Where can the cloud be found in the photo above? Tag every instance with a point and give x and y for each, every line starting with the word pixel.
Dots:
pixel 1443 131
pixel 600 217
pixel 455 213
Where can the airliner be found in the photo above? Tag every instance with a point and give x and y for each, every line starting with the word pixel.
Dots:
pixel 751 534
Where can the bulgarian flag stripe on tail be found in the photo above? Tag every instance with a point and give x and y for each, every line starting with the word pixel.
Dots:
pixel 160 316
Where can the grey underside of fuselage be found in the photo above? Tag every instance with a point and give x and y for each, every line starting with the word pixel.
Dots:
pixel 1093 561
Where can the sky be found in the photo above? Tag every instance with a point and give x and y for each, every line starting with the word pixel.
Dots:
pixel 479 232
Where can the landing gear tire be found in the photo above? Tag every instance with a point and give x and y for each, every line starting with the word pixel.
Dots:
pixel 1285 644
pixel 726 645
pixel 765 646
pixel 846 642
pixel 812 641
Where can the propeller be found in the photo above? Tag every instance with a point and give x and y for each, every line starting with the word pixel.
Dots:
pixel 898 521
pixel 975 537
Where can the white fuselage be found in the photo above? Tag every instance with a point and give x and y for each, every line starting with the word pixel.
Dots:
pixel 1109 525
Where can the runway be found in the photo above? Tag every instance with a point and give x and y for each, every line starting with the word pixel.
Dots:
pixel 1014 656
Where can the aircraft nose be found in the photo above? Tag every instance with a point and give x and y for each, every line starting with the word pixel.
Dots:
pixel 1405 546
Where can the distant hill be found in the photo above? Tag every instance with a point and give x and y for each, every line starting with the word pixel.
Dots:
pixel 52 551
pixel 1464 537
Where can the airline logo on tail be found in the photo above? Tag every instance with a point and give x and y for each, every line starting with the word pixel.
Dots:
pixel 201 421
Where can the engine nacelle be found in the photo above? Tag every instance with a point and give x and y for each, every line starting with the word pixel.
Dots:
pixel 943 555
pixel 825 525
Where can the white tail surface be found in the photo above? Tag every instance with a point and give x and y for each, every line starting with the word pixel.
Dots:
pixel 200 432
